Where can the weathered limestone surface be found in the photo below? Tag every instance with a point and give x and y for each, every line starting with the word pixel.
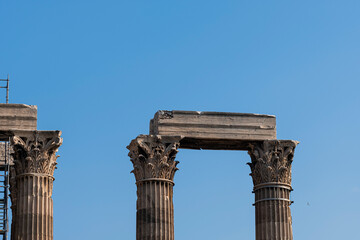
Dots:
pixel 154 163
pixel 17 117
pixel 214 130
pixel 13 195
pixel 271 173
pixel 32 183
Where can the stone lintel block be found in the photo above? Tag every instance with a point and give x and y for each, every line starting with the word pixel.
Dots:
pixel 31 134
pixel 5 135
pixel 18 117
pixel 214 130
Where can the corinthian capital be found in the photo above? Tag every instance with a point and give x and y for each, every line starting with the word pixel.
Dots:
pixel 35 151
pixel 271 161
pixel 153 156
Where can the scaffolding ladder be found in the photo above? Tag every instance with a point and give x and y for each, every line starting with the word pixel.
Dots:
pixel 4 188
pixel 4 175
pixel 6 86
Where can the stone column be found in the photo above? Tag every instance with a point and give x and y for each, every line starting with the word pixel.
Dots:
pixel 271 173
pixel 13 193
pixel 35 162
pixel 154 163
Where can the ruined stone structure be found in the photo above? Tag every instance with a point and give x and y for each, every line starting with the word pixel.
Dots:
pixel 153 157
pixel 31 173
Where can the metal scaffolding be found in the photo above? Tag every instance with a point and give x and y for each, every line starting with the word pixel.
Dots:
pixel 4 176
pixel 6 87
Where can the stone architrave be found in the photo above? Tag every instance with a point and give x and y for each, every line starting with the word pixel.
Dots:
pixel 154 163
pixel 214 130
pixel 31 187
pixel 271 173
pixel 15 117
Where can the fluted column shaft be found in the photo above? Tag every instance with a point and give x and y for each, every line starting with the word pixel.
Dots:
pixel 271 172
pixel 272 211
pixel 155 210
pixel 35 207
pixel 13 193
pixel 154 163
pixel 35 162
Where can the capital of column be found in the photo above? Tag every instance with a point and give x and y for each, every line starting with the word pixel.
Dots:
pixel 35 151
pixel 271 161
pixel 153 157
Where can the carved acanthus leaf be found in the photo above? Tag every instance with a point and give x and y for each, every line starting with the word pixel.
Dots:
pixel 153 157
pixel 271 161
pixel 36 152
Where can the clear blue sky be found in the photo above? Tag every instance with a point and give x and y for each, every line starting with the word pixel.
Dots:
pixel 99 70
